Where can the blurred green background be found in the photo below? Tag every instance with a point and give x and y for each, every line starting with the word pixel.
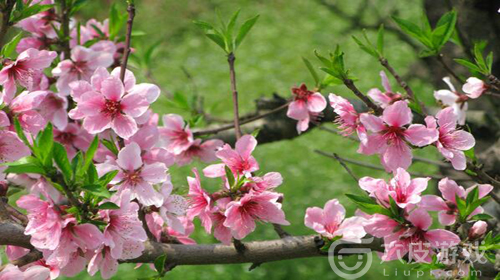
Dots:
pixel 268 61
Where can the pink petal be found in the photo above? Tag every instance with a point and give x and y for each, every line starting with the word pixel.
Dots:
pixel 297 110
pixel 334 213
pixel 97 124
pixel 129 158
pixel 446 219
pixel 147 195
pixel 245 146
pixel 433 203
pixel 440 238
pixel 420 219
pixel 134 105
pixel 149 91
pixel 372 123
pixel 420 136
pixel 397 155
pixel 124 126
pixel 397 114
pixel 155 173
pixel 447 120
pixel 316 102
pixel 462 140
pixel 112 89
pixel 449 189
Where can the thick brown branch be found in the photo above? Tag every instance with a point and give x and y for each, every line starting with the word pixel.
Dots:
pixel 13 234
pixel 126 52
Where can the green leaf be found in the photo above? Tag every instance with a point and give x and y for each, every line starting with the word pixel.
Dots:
pixel 230 177
pixel 472 196
pixel 489 62
pixel 97 190
pixel 20 133
pixel 205 26
pixel 25 168
pixel 380 40
pixel 481 217
pixel 312 71
pixel 218 39
pixel 368 49
pixel 394 206
pixel 44 143
pixel 89 155
pixel 108 177
pixel 471 66
pixel 108 205
pixel 110 146
pixel 92 175
pixel 244 29
pixel 9 48
pixel 471 207
pixel 61 159
pixel 368 206
pixel 462 207
pixel 77 162
pixel 159 264
pixel 444 29
pixel 414 31
pixel 77 5
pixel 478 56
pixel 29 11
pixel 229 30
pixel 116 21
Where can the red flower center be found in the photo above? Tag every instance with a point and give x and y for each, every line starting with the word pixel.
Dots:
pixel 112 108
pixel 133 177
pixel 301 93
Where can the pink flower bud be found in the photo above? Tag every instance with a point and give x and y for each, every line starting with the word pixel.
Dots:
pixel 474 87
pixel 478 229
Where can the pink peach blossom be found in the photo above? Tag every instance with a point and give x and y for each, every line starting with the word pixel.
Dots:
pixel 174 206
pixel 401 188
pixel 474 87
pixel 447 205
pixel 304 103
pixel 73 138
pixel 81 66
pixel 26 108
pixel 136 176
pixel 451 142
pixel 389 135
pixel 240 160
pixel 477 230
pixel 242 214
pixel 11 147
pixel 452 98
pixel 26 70
pixel 54 109
pixel 177 136
pixel 200 202
pixel 384 99
pixel 330 222
pixel 204 151
pixel 417 240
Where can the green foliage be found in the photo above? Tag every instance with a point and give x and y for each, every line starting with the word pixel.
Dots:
pixel 159 264
pixel 334 64
pixel 469 204
pixel 480 64
pixel 9 48
pixel 432 39
pixel 224 35
pixel 117 21
pixel 367 46
pixel 24 11
pixel 368 205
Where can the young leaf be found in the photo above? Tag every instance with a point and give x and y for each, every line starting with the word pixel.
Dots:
pixel 380 40
pixel 244 29
pixel 108 206
pixel 414 31
pixel 29 11
pixel 61 159
pixel 366 48
pixel 89 155
pixel 44 143
pixel 312 71
pixel 367 205
pixel 218 39
pixel 230 177
pixel 110 145
pixel 24 168
pixel 160 264
pixel 9 48
pixel 97 190
pixel 108 177
pixel 444 29
pixel 20 133
pixel 481 217
pixel 471 66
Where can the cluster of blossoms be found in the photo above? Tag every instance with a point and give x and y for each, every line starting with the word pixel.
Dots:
pixel 243 199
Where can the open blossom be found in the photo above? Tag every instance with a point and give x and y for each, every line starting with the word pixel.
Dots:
pixel 384 99
pixel 26 70
pixel 54 109
pixel 348 119
pixel 305 102
pixel 147 137
pixel 135 175
pixel 176 134
pixel 25 107
pixel 417 240
pixel 242 214
pixel 447 205
pixel 453 99
pixel 11 147
pixel 451 142
pixel 330 222
pixel 204 151
pixel 111 108
pixel 239 160
pixel 200 202
pixel 174 206
pixel 474 87
pixel 389 135
pixel 401 188
pixel 81 66
pixel 35 272
pixel 73 138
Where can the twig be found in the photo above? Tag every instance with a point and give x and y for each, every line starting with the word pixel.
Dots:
pixel 440 58
pixel 6 11
pixel 280 231
pixel 126 52
pixel 349 171
pixel 403 84
pixel 65 28
pixel 142 217
pixel 372 166
pixel 17 215
pixel 230 126
pixel 232 73
pixel 350 85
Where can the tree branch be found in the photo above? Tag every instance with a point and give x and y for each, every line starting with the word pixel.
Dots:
pixel 350 85
pixel 126 52
pixel 232 73
pixel 64 14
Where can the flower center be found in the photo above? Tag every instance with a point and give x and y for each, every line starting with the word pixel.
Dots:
pixel 112 108
pixel 65 138
pixel 133 177
pixel 301 93
pixel 79 67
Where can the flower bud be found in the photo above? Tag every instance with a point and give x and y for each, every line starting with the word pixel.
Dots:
pixel 478 229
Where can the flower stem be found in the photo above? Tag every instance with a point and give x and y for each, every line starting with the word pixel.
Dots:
pixel 232 73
